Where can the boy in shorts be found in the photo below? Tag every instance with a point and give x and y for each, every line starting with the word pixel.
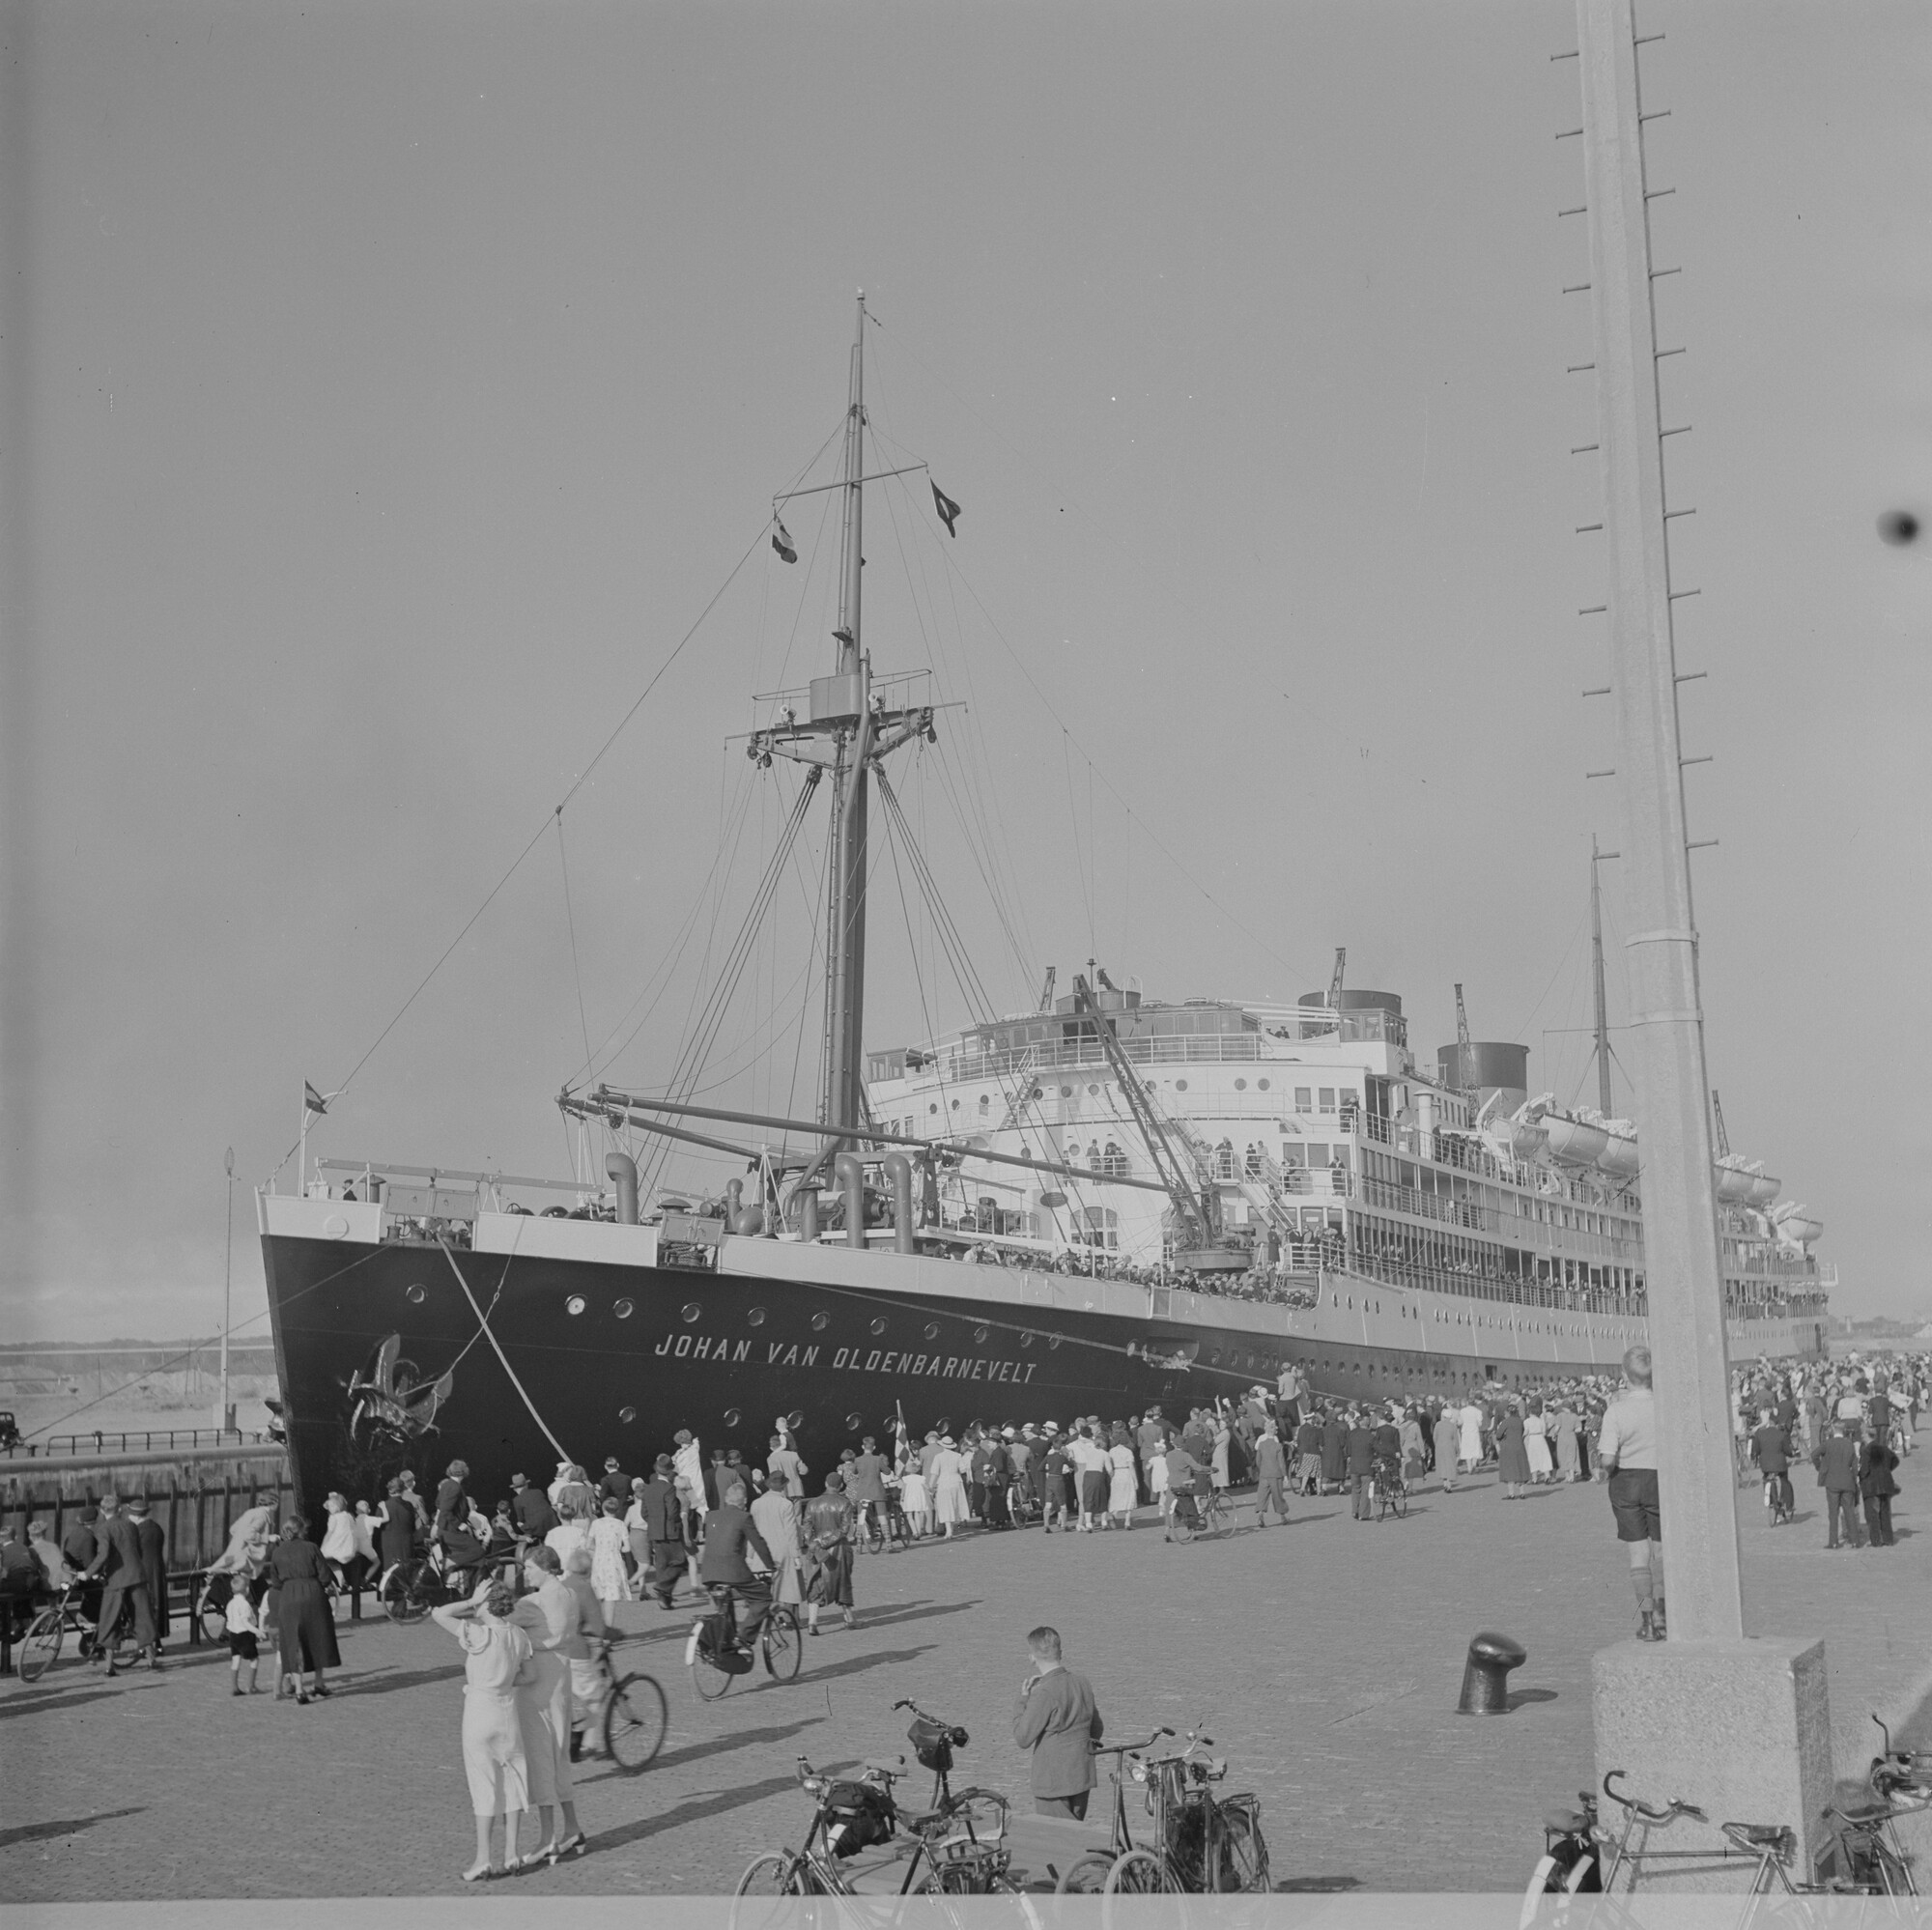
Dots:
pixel 243 1644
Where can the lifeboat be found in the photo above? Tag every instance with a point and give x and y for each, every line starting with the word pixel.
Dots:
pixel 1794 1226
pixel 1523 1131
pixel 1764 1190
pixel 1737 1179
pixel 1574 1141
pixel 1619 1156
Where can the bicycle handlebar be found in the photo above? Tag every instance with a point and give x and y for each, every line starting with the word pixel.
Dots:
pixel 1127 1749
pixel 1673 1808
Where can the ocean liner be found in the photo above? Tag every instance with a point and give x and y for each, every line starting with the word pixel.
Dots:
pixel 1102 1204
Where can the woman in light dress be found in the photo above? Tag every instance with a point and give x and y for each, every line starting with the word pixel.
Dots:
pixel 1122 1486
pixel 554 1619
pixel 914 1500
pixel 1448 1443
pixel 1536 1441
pixel 608 1543
pixel 949 1487
pixel 1563 1431
pixel 1415 1451
pixel 574 1505
pixel 775 1515
pixel 1156 1475
pixel 497 1661
pixel 1223 1435
pixel 1470 1457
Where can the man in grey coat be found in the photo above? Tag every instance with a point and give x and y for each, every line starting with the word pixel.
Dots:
pixel 1057 1719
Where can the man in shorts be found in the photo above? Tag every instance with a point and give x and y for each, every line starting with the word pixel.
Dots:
pixel 1627 1450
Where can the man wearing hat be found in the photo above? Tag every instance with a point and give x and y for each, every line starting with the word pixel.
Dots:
pixel 1055 1470
pixel 616 1485
pixel 124 1590
pixel 663 1509
pixel 154 1541
pixel 531 1509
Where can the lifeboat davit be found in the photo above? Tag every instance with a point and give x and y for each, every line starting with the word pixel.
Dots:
pixel 1574 1141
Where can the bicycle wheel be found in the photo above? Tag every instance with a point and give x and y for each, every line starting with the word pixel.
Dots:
pixel 771 1878
pixel 1180 1528
pixel 409 1591
pixel 1141 1873
pixel 1399 1501
pixel 707 1676
pixel 1244 1852
pixel 872 1535
pixel 635 1718
pixel 41 1645
pixel 779 1644
pixel 1085 1876
pixel 1382 1504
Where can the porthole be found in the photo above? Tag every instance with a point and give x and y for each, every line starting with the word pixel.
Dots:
pixel 1066 1092
pixel 624 1309
pixel 627 1415
pixel 1091 1089
pixel 979 1335
pixel 1261 1085
pixel 733 1416
pixel 574 1304
pixel 1214 1359
pixel 879 1323
pixel 1240 1085
pixel 1026 1340
pixel 853 1422
pixel 933 1330
pixel 934 1107
pixel 1181 1085
pixel 944 1425
pixel 1052 1340
pixel 415 1295
pixel 796 1418
pixel 691 1310
pixel 755 1317
pixel 1038 1093
pixel 820 1322
pixel 955 1105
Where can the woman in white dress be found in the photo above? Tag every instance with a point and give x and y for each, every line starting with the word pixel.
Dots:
pixel 1122 1496
pixel 1536 1441
pixel 496 1664
pixel 1223 1435
pixel 949 1487
pixel 573 1528
pixel 1156 1473
pixel 608 1541
pixel 551 1615
pixel 1471 1455
pixel 914 1500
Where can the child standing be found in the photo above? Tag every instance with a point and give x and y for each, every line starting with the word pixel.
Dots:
pixel 244 1632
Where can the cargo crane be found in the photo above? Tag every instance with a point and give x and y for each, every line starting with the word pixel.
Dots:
pixel 1197 1213
pixel 1335 981
pixel 1466 1053
pixel 1046 990
pixel 1717 1131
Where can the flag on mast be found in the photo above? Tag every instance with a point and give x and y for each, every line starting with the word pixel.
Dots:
pixel 781 542
pixel 313 1100
pixel 948 510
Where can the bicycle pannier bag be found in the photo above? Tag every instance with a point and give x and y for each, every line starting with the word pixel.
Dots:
pixel 858 1816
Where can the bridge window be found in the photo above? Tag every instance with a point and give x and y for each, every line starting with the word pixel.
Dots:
pixel 1304 1099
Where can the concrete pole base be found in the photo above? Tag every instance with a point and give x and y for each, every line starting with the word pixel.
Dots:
pixel 1742 1729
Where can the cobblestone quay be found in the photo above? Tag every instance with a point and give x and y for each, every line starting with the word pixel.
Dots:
pixel 1323 1658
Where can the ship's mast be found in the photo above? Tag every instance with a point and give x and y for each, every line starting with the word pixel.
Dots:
pixel 1597 968
pixel 841 1092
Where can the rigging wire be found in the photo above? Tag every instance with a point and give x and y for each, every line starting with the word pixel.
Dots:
pixel 570 920
pixel 1073 817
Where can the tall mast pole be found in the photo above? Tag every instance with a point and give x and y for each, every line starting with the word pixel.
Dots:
pixel 1597 964
pixel 1683 1275
pixel 841 1102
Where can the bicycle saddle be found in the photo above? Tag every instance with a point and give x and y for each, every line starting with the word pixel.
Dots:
pixel 1568 1822
pixel 884 1765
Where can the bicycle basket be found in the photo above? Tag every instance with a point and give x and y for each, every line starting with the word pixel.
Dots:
pixel 933 1742
pixel 858 1816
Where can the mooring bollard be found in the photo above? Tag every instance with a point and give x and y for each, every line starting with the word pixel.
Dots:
pixel 1486 1675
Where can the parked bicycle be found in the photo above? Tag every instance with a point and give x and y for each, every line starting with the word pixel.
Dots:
pixel 1582 1859
pixel 48 1631
pixel 1390 1489
pixel 1200 1845
pixel 1087 1875
pixel 1197 1516
pixel 715 1655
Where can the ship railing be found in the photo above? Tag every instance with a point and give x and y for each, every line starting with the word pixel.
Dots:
pixel 1426 1205
pixel 143 1440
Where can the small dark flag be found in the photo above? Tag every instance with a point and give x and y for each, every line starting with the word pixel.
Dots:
pixel 948 510
pixel 781 542
pixel 313 1100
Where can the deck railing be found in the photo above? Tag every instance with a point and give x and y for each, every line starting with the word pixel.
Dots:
pixel 149 1440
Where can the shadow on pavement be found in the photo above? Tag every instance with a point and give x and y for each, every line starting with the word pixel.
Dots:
pixel 55 1702
pixel 913 1611
pixel 697 1751
pixel 1517 1697
pixel 696 1809
pixel 1312 1886
pixel 34 1833
pixel 851 1665
pixel 386 1681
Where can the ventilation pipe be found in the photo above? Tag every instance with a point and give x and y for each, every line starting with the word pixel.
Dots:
pixel 851 1177
pixel 735 1201
pixel 898 1170
pixel 749 1223
pixel 807 1215
pixel 623 1169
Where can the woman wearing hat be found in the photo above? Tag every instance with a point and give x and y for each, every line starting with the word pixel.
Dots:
pixel 828 1534
pixel 302 1618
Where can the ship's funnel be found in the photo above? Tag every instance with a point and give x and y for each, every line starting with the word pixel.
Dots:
pixel 1495 1067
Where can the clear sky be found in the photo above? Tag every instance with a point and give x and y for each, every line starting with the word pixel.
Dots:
pixel 388 388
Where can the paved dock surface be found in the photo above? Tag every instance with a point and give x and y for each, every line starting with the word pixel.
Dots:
pixel 1323 1658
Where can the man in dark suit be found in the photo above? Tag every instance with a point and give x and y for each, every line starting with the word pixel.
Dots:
pixel 1058 1720
pixel 1878 1483
pixel 1270 1476
pixel 531 1509
pixel 118 1562
pixel 715 1480
pixel 664 1522
pixel 616 1482
pixel 729 1531
pixel 154 1543
pixel 1334 1449
pixel 1837 1464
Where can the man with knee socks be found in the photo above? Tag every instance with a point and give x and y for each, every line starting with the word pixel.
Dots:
pixel 1627 1450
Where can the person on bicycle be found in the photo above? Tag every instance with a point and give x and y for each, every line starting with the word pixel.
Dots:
pixel 1186 1478
pixel 1770 1450
pixel 729 1531
pixel 867 1492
